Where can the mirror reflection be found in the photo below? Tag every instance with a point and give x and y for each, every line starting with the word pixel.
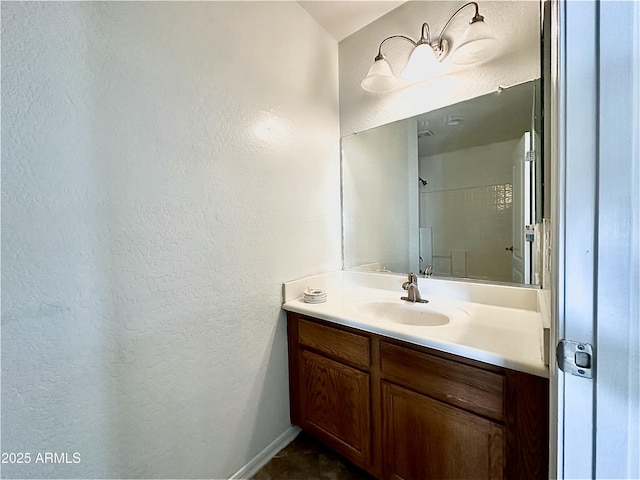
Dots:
pixel 455 192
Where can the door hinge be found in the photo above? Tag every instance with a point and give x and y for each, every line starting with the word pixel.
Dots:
pixel 575 358
pixel 530 156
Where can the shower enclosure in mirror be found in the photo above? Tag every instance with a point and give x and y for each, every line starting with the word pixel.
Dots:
pixel 457 191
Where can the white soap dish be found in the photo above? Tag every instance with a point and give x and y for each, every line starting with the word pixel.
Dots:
pixel 315 296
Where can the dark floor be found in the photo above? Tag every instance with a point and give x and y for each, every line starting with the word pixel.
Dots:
pixel 307 459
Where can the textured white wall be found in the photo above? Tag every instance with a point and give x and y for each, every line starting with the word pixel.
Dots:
pixel 380 197
pixel 165 166
pixel 515 23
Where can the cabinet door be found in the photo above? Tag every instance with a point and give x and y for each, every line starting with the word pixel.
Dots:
pixel 334 404
pixel 427 439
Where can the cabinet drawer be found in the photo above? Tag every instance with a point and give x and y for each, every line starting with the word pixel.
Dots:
pixel 468 387
pixel 349 347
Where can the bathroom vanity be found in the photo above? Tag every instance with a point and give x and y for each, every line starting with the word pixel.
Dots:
pixel 403 405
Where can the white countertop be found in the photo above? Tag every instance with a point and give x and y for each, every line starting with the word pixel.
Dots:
pixel 495 324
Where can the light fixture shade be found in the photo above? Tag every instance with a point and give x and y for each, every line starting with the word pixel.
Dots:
pixel 422 64
pixel 476 44
pixel 380 78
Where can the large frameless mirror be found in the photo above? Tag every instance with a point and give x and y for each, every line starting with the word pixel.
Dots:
pixel 456 192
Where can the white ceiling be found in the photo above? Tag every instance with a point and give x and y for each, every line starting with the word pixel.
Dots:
pixel 491 118
pixel 342 18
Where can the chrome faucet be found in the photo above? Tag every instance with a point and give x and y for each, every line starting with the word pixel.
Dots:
pixel 428 270
pixel 413 293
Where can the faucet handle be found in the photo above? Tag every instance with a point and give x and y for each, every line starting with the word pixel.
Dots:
pixel 411 280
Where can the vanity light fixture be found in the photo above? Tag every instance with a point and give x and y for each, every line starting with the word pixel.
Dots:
pixel 474 46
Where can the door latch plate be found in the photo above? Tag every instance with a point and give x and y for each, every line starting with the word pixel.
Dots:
pixel 575 358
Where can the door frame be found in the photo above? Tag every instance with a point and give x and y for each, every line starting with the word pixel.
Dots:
pixel 595 430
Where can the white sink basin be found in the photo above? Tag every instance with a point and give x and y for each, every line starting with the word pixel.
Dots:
pixel 406 313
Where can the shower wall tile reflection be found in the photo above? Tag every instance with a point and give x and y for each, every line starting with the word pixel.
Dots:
pixel 470 228
pixel 468 206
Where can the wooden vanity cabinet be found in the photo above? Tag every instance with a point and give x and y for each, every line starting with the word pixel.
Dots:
pixel 402 411
pixel 330 386
pixel 441 419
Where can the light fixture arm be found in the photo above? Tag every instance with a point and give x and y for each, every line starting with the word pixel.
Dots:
pixel 476 18
pixel 425 34
pixel 381 56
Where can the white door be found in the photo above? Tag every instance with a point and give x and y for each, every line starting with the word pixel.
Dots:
pixel 597 218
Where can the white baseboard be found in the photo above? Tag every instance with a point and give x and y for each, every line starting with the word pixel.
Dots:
pixel 262 458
